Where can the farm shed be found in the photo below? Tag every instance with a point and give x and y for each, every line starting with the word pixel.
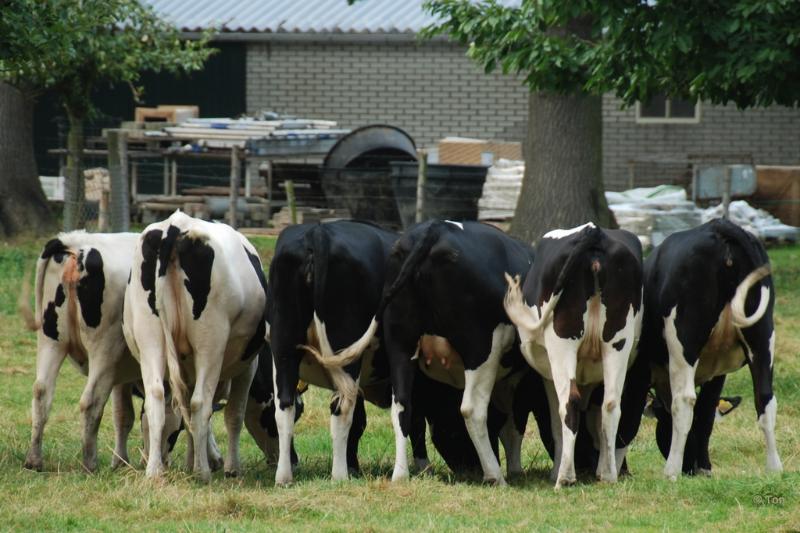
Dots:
pixel 363 64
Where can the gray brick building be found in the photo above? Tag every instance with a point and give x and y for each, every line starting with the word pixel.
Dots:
pixel 431 90
pixel 362 64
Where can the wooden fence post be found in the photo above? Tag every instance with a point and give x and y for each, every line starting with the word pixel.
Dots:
pixel 235 174
pixel 120 216
pixel 422 177
pixel 290 199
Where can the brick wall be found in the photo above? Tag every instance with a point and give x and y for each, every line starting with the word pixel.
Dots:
pixel 430 90
pixel 771 135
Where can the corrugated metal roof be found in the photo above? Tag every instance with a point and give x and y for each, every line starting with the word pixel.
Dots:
pixel 296 16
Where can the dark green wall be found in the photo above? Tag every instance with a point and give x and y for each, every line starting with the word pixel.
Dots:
pixel 218 89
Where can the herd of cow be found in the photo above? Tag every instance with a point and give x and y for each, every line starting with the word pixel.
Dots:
pixel 456 327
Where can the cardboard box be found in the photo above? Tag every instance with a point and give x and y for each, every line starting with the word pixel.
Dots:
pixel 778 191
pixel 464 151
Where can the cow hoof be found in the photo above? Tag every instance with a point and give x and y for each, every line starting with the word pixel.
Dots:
pixel 422 465
pixel 499 482
pixel 774 466
pixel 283 480
pixel 215 463
pixel 399 475
pixel 154 472
pixel 90 467
pixel 608 478
pixel 118 462
pixel 231 474
pixel 704 472
pixel 33 464
pixel 204 477
pixel 514 474
pixel 564 482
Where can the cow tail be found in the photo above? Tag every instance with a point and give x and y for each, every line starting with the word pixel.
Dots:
pixel 411 265
pixel 738 313
pixel 530 320
pixel 761 269
pixel 167 289
pixel 32 317
pixel 318 244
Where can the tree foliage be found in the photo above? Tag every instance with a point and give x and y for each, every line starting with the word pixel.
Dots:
pixel 72 45
pixel 741 51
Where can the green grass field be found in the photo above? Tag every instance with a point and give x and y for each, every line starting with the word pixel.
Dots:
pixel 740 496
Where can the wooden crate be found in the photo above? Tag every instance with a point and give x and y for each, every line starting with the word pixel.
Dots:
pixel 166 113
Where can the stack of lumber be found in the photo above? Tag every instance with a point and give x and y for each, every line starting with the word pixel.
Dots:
pixel 308 215
pixel 251 211
pixel 221 190
pixel 229 132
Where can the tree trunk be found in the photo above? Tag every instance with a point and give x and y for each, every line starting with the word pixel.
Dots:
pixel 23 205
pixel 74 195
pixel 563 183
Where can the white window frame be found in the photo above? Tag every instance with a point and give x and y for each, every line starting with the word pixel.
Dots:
pixel 667 120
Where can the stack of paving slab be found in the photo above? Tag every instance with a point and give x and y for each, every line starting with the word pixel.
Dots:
pixel 756 221
pixel 653 213
pixel 501 190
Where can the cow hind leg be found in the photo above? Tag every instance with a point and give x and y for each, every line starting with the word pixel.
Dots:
pixel 402 376
pixel 49 358
pixel 478 385
pixel 234 418
pixel 284 421
pixel 354 436
pixel 563 356
pixel 93 401
pixel 704 413
pixel 555 427
pixel 512 444
pixel 201 408
pixel 681 380
pixel 615 364
pixel 215 459
pixel 342 410
pixel 761 366
pixel 153 370
pixel 122 406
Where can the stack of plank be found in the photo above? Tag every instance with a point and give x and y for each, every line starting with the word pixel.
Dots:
pixel 252 211
pixel 308 215
pixel 230 132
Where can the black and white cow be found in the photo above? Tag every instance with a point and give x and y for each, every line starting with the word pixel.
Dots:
pixel 584 319
pixel 445 280
pixel 325 284
pixel 702 321
pixel 80 283
pixel 195 305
